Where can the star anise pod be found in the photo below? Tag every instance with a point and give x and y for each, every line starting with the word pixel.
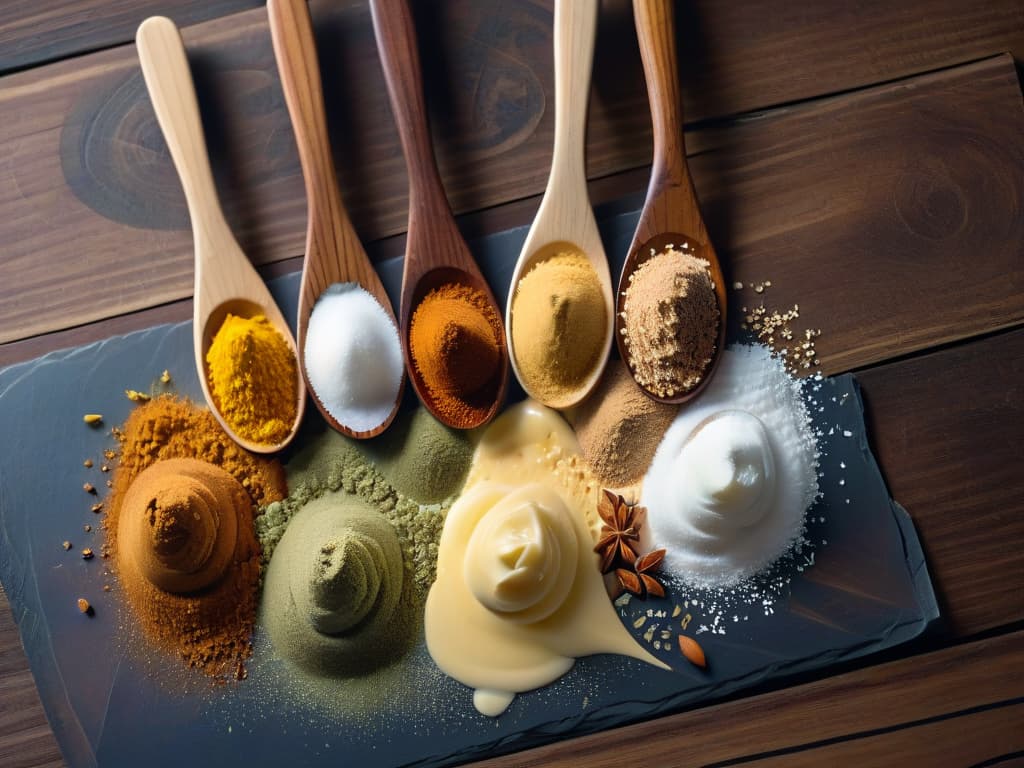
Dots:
pixel 639 581
pixel 620 531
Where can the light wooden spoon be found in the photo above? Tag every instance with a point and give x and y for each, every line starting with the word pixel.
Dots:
pixel 671 214
pixel 435 253
pixel 334 253
pixel 565 219
pixel 225 279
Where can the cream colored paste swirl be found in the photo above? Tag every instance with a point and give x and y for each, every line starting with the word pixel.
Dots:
pixel 518 595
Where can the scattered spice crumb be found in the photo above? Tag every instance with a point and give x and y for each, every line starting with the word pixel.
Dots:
pixel 110 454
pixel 106 587
pixel 93 419
pixel 84 607
pixel 89 488
pixel 66 545
pixel 105 468
pixel 692 651
pixel 88 528
pixel 87 463
pixel 165 377
pixel 97 507
pixel 135 396
pixel 110 484
pixel 87 554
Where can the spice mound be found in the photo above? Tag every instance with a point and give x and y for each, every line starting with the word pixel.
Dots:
pixel 619 427
pixel 456 344
pixel 670 322
pixel 421 457
pixel 333 588
pixel 170 532
pixel 353 357
pixel 559 326
pixel 179 524
pixel 731 482
pixel 253 379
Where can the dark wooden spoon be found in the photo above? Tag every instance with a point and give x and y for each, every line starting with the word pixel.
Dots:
pixel 334 253
pixel 671 214
pixel 435 254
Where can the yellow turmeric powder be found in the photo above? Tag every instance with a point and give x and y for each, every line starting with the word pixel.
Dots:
pixel 253 379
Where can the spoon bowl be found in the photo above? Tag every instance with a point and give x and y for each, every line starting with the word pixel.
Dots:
pixel 334 253
pixel 225 280
pixel 671 213
pixel 436 253
pixel 565 220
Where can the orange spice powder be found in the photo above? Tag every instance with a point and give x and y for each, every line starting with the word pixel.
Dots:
pixel 209 629
pixel 455 341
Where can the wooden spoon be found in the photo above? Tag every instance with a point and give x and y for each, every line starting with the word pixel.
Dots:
pixel 225 279
pixel 436 253
pixel 565 219
pixel 671 214
pixel 334 253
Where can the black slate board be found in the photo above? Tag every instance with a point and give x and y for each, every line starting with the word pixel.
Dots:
pixel 867 589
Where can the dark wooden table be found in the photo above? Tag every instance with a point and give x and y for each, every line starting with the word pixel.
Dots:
pixel 867 158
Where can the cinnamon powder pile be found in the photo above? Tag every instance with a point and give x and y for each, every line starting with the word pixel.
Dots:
pixel 208 629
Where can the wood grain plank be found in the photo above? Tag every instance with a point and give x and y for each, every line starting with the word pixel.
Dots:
pixel 927 686
pixel 36 31
pixel 87 190
pixel 946 430
pixel 972 739
pixel 26 740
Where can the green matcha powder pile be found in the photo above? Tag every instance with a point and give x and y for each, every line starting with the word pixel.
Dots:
pixel 410 474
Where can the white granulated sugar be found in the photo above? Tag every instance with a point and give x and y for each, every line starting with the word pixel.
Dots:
pixel 731 481
pixel 353 357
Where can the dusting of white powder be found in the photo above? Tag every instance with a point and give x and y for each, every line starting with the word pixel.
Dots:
pixel 353 357
pixel 731 481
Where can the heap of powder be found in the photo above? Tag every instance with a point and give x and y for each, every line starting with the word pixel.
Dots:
pixel 670 322
pixel 559 326
pixel 421 457
pixel 332 598
pixel 353 357
pixel 456 343
pixel 253 379
pixel 334 463
pixel 730 483
pixel 209 629
pixel 619 427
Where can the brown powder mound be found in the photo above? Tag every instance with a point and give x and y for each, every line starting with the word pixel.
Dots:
pixel 619 427
pixel 180 516
pixel 456 342
pixel 671 322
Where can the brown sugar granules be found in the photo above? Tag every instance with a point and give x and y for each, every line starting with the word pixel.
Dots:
pixel 209 628
pixel 671 322
pixel 619 427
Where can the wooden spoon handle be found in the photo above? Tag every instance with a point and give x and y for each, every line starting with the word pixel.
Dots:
pixel 331 237
pixel 399 56
pixel 169 82
pixel 656 31
pixel 575 27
